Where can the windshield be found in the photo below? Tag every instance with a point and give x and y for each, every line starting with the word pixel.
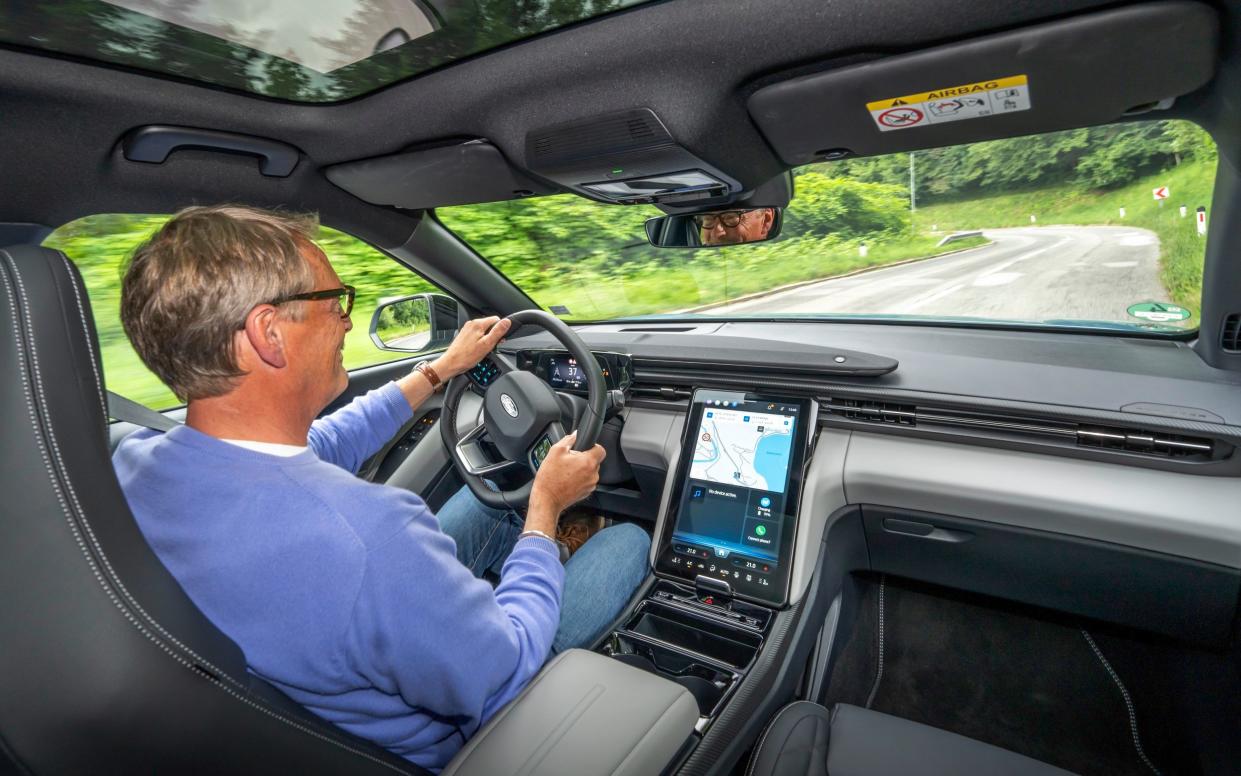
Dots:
pixel 1096 227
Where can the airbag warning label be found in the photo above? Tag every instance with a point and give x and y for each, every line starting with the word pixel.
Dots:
pixel 955 103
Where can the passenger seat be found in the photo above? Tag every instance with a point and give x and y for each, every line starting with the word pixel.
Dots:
pixel 805 739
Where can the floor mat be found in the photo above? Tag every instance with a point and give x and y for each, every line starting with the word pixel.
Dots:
pixel 1009 678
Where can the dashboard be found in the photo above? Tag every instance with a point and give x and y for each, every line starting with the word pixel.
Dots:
pixel 1095 437
pixel 980 459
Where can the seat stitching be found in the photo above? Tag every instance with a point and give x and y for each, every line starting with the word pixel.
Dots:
pixel 790 736
pixel 763 738
pixel 874 690
pixel 86 526
pixel 90 347
pixel 43 452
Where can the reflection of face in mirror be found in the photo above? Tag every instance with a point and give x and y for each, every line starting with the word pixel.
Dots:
pixel 733 227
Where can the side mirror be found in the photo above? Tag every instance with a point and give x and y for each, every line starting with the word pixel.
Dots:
pixel 414 324
pixel 715 229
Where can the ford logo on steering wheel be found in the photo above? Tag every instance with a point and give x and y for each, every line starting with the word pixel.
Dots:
pixel 510 406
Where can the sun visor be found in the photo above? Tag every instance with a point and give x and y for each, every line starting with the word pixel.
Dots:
pixel 1090 69
pixel 457 174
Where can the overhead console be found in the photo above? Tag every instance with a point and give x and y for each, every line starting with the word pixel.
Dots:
pixel 628 157
pixel 1085 70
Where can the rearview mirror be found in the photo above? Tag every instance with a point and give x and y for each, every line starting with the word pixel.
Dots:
pixel 715 229
pixel 414 324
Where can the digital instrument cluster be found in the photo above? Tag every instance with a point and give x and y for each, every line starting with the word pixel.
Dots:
pixel 561 371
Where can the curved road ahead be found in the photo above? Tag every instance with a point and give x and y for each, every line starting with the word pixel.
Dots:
pixel 1037 273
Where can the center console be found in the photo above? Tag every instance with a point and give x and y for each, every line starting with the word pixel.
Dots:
pixel 682 664
pixel 724 551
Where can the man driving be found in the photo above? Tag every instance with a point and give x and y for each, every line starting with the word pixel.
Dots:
pixel 351 597
pixel 734 227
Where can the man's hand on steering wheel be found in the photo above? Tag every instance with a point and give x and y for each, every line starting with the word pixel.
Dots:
pixel 522 418
pixel 565 478
pixel 476 339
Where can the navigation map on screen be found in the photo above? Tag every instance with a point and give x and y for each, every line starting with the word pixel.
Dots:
pixel 734 495
pixel 739 447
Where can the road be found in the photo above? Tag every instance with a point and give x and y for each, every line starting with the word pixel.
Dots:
pixel 1036 273
pixel 415 341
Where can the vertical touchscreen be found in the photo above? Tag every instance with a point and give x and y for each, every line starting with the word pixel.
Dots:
pixel 735 516
pixel 737 479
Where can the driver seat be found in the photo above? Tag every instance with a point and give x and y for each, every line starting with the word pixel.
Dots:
pixel 106 665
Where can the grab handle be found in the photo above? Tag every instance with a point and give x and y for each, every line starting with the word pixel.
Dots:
pixel 154 143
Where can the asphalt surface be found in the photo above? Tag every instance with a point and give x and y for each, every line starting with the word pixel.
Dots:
pixel 1036 273
pixel 416 341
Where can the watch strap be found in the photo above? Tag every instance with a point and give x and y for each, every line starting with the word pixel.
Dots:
pixel 429 372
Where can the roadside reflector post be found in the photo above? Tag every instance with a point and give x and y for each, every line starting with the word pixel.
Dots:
pixel 862 250
pixel 1202 221
pixel 1184 211
pixel 1122 212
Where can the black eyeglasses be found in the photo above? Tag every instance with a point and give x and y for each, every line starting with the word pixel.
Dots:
pixel 345 294
pixel 729 219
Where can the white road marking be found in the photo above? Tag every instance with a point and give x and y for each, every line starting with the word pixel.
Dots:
pixel 1047 278
pixel 997 279
pixel 935 297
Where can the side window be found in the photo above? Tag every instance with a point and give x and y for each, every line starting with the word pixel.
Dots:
pixel 101 245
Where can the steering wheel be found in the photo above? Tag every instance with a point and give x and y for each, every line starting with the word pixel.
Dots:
pixel 521 417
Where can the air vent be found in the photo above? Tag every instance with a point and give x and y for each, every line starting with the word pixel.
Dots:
pixel 661 392
pixel 659 328
pixel 872 411
pixel 1230 334
pixel 1158 443
pixel 617 133
pixel 1060 432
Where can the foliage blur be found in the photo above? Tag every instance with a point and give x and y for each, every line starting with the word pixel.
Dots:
pixel 101 246
pixel 98 29
pixel 584 260
pixel 1096 158
pixel 402 319
pixel 589 261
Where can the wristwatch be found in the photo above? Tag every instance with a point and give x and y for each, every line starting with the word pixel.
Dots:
pixel 429 372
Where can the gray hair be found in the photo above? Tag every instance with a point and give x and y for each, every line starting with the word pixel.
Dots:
pixel 188 289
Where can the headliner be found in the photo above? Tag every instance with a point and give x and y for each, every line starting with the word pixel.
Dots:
pixel 693 62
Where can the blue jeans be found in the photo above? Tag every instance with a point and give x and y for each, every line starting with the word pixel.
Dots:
pixel 599 579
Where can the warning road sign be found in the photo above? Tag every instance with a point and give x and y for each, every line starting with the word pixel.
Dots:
pixel 901 117
pixel 1160 192
pixel 967 101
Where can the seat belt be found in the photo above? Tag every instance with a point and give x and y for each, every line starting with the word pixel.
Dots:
pixel 130 411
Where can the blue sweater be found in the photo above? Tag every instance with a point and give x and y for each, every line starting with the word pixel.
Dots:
pixel 344 594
